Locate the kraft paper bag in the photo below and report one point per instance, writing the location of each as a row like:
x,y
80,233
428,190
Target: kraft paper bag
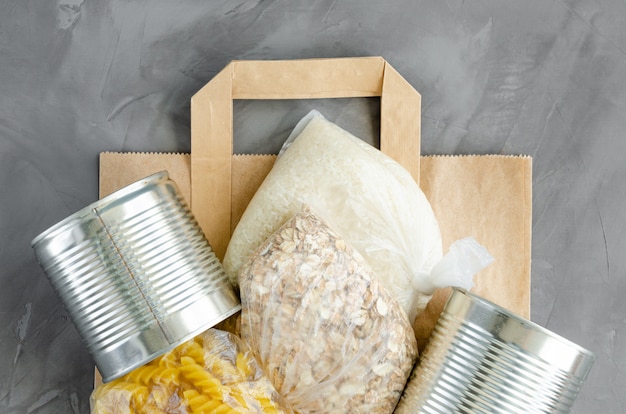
x,y
487,197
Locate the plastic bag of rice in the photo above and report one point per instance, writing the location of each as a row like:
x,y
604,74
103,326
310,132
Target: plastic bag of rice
x,y
366,196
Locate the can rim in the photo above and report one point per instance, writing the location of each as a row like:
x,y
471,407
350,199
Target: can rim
x,y
110,376
83,212
523,321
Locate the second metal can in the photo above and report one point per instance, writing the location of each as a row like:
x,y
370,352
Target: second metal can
x,y
481,358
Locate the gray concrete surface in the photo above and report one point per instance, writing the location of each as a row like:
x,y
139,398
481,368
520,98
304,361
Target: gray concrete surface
x,y
545,78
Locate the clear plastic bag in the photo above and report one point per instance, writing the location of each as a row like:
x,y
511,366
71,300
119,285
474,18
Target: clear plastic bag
x,y
457,268
329,336
214,373
367,197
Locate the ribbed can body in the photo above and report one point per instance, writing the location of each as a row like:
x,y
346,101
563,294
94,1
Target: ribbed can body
x,y
136,274
483,359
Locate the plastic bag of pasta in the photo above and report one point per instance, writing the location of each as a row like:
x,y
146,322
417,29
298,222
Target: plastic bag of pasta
x,y
212,373
327,334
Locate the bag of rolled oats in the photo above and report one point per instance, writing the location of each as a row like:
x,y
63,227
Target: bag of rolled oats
x,y
327,334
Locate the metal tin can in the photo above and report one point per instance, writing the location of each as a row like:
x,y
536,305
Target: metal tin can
x,y
481,358
136,274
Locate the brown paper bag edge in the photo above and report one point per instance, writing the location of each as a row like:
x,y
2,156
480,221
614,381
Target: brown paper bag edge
x,y
212,118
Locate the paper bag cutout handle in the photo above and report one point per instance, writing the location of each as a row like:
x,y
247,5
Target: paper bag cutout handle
x,y
212,120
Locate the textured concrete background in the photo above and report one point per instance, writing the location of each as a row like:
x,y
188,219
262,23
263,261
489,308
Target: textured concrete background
x,y
540,77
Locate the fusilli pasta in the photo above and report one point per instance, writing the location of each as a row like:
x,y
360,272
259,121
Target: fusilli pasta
x,y
212,373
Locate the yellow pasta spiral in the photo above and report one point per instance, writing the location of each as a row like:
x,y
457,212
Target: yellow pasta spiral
x,y
213,373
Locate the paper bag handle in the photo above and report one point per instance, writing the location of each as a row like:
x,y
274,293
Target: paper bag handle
x,y
212,120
